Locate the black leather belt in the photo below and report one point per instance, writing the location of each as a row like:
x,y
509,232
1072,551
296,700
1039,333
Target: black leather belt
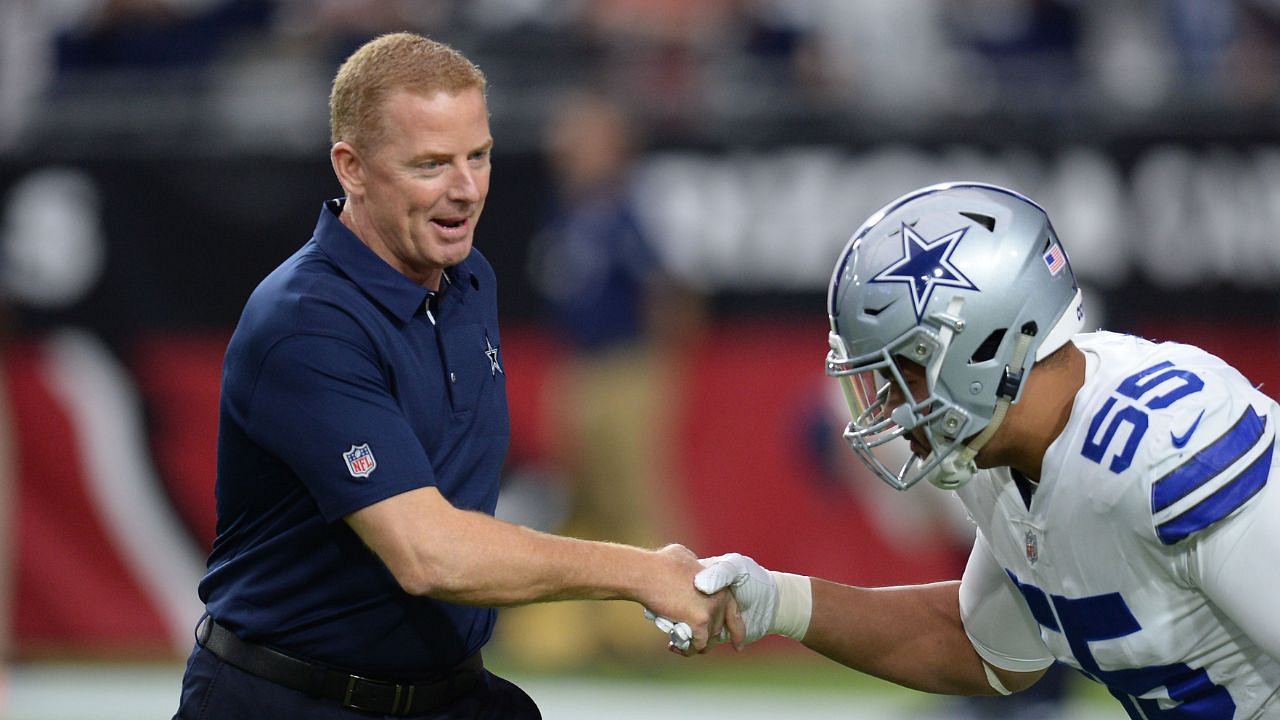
x,y
383,697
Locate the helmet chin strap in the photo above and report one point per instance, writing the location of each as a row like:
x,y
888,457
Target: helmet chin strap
x,y
956,469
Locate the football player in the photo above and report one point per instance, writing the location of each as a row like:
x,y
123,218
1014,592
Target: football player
x,y
1126,525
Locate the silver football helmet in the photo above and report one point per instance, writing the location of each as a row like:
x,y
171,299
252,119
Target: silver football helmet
x,y
968,281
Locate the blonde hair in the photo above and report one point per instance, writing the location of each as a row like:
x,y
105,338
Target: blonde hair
x,y
380,67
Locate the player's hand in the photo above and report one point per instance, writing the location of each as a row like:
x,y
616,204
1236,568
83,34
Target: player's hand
x,y
752,586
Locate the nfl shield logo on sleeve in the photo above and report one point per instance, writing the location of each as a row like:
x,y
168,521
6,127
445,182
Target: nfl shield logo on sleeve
x,y
359,460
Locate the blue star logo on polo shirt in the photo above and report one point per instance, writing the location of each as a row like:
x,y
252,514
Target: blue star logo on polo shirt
x,y
492,353
925,265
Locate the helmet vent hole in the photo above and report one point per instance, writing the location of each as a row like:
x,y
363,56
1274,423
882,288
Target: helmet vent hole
x,y
985,221
988,348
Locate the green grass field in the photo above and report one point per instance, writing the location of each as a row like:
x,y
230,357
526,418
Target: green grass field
x,y
771,685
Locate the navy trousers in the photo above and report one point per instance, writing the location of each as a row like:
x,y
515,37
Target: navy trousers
x,y
214,690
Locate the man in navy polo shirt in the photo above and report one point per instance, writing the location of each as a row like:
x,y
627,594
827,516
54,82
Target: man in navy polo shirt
x,y
363,427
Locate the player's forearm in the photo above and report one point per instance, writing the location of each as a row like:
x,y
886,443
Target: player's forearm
x,y
911,635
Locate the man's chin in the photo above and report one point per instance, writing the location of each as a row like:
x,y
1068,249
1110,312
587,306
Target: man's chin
x,y
454,252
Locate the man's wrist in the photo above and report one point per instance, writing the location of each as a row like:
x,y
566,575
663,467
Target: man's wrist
x,y
795,605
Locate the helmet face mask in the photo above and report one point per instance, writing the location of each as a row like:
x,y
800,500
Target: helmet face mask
x,y
965,281
885,407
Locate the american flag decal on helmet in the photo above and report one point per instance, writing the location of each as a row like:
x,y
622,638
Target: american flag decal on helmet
x,y
359,460
1055,259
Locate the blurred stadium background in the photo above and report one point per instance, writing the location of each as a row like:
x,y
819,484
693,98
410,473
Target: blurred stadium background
x,y
158,157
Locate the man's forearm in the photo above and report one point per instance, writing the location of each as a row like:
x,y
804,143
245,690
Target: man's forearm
x,y
495,563
436,550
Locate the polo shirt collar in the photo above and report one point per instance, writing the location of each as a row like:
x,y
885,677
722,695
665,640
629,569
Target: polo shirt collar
x,y
386,285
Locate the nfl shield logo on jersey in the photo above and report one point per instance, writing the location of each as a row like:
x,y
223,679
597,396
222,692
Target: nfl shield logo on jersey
x,y
1033,551
359,460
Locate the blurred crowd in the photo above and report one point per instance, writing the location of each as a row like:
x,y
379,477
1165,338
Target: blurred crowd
x,y
248,71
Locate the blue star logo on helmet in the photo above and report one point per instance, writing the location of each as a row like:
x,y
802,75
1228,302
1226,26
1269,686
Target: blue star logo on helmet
x,y
925,265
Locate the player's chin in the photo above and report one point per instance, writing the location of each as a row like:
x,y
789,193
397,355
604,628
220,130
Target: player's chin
x,y
919,446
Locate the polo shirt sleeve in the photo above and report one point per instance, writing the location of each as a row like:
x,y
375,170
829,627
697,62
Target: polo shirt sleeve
x,y
322,405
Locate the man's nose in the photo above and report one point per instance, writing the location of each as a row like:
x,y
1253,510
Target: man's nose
x,y
465,186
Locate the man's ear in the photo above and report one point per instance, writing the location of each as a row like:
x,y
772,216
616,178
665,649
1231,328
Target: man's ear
x,y
349,168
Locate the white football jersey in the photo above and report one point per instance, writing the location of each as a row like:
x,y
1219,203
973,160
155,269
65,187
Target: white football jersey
x,y
1149,557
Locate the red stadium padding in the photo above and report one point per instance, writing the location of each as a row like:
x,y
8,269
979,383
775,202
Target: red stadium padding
x,y
750,479
180,377
73,593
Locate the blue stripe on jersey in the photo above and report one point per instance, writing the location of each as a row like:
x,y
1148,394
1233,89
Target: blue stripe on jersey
x,y
1037,600
1209,462
1220,504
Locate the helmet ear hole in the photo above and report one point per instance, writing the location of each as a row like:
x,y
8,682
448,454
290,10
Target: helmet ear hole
x,y
988,348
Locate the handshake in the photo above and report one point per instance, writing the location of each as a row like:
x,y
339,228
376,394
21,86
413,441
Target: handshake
x,y
767,602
